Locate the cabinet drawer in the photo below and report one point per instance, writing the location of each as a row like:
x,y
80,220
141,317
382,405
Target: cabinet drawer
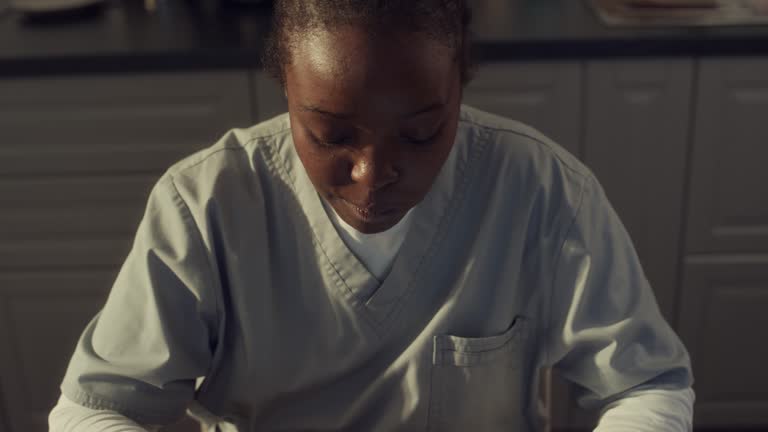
x,y
68,207
116,124
65,222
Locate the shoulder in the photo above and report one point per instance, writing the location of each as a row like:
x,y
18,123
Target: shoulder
x,y
234,163
525,163
233,146
522,145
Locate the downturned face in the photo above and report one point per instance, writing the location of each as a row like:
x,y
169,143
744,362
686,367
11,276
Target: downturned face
x,y
373,119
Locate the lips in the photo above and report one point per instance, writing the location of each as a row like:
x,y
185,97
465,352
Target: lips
x,y
372,207
371,212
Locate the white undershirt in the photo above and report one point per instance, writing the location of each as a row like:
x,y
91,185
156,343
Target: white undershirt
x,y
377,251
68,416
650,410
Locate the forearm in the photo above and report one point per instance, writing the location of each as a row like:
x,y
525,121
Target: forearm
x,y
652,410
68,416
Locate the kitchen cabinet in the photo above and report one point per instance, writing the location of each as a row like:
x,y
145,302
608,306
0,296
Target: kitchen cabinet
x,y
546,96
729,180
78,157
636,140
118,124
3,416
723,319
42,314
724,291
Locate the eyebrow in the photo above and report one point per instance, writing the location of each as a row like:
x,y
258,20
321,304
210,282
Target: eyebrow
x,y
315,109
338,115
428,108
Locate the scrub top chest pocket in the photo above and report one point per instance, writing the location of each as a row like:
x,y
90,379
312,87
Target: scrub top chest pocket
x,y
478,382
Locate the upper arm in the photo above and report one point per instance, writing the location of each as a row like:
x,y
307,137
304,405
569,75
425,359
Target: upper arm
x,y
607,333
141,354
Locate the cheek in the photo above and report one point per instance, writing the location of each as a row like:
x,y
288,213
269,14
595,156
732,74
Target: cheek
x,y
421,171
427,165
325,168
434,159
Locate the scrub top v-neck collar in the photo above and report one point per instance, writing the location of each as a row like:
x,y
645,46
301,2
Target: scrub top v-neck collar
x,y
377,251
382,298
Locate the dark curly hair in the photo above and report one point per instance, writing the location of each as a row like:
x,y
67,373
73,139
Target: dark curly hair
x,y
446,21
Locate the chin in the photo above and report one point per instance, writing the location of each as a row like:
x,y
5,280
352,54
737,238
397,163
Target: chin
x,y
368,228
373,226
368,222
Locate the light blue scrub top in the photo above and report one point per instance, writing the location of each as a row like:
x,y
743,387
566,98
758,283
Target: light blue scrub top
x,y
240,302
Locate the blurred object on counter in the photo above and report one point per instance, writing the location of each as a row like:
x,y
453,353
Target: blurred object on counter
x,y
681,12
247,2
671,3
52,6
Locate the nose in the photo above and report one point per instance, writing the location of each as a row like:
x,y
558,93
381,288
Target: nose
x,y
374,168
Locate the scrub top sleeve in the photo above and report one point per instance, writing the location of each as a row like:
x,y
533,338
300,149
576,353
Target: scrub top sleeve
x,y
606,332
141,354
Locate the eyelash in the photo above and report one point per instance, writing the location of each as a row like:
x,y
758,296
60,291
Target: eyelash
x,y
336,144
327,144
425,141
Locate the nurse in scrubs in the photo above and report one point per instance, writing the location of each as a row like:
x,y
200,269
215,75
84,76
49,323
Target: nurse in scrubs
x,y
379,258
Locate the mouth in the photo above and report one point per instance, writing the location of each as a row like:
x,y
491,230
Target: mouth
x,y
371,213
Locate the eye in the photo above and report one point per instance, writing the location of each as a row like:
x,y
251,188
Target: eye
x,y
330,143
419,141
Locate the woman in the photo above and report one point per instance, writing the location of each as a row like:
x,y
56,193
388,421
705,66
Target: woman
x,y
380,258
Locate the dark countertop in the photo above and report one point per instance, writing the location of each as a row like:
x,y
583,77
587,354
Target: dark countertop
x,y
122,36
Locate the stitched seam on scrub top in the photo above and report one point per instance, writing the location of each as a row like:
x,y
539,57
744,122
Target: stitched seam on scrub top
x,y
214,287
584,177
280,170
278,167
556,263
535,140
241,147
455,201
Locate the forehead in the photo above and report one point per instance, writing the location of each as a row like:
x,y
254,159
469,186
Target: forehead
x,y
350,70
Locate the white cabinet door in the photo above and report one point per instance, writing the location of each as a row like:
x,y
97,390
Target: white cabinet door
x,y
43,313
724,295
728,207
546,96
723,322
78,156
3,416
